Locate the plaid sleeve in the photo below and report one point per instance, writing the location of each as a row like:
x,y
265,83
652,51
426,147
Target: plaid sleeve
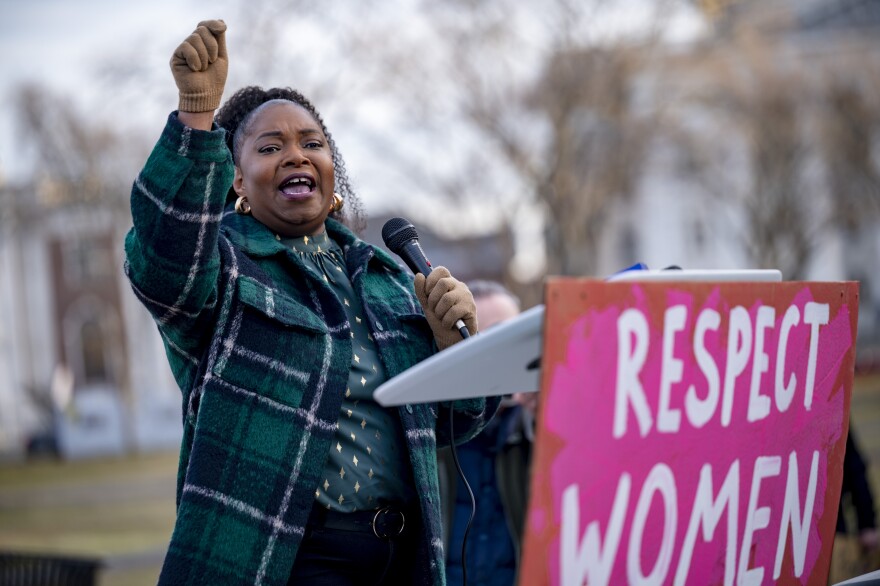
x,y
470,416
177,203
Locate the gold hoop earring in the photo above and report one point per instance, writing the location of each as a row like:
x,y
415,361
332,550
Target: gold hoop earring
x,y
337,203
242,206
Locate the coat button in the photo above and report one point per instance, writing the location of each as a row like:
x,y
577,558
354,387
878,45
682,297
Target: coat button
x,y
409,409
379,327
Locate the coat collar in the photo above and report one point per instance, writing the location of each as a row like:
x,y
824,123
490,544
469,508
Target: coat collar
x,y
256,240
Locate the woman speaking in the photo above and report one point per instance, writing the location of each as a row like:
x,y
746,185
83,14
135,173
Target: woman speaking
x,y
278,324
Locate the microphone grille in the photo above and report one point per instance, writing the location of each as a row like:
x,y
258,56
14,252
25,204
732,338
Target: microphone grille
x,y
396,232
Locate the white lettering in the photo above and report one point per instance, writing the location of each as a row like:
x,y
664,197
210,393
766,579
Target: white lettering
x,y
757,518
759,405
669,420
739,344
590,561
661,480
784,392
699,412
630,360
791,516
707,513
589,557
815,314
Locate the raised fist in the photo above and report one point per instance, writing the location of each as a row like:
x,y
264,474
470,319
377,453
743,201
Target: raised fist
x,y
199,65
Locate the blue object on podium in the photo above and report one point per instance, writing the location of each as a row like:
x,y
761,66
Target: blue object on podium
x,y
691,275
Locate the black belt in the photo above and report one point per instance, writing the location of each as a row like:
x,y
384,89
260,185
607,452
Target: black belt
x,y
385,523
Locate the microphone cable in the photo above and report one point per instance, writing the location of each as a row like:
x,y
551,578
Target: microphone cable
x,y
401,238
464,334
470,493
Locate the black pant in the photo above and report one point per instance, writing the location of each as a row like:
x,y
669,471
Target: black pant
x,y
339,557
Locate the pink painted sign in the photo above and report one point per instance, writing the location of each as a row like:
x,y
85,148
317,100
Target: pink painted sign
x,y
690,433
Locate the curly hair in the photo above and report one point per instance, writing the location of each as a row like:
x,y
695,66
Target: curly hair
x,y
235,116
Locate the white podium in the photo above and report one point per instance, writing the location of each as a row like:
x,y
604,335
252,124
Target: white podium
x,y
505,359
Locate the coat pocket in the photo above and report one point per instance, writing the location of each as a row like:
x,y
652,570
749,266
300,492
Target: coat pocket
x,y
272,344
414,342
416,325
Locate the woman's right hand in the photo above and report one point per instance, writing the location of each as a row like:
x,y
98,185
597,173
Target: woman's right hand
x,y
445,300
199,65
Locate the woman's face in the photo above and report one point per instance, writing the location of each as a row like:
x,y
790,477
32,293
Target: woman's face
x,y
285,169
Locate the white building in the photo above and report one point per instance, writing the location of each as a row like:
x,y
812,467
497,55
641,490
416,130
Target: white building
x,y
82,368
672,220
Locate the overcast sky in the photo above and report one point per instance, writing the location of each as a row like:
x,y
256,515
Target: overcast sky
x,y
62,44
55,41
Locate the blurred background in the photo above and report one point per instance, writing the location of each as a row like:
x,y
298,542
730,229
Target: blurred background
x,y
554,137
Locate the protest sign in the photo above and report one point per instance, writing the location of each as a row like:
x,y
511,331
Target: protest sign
x,y
690,433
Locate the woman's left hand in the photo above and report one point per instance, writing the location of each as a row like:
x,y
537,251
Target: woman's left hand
x,y
445,300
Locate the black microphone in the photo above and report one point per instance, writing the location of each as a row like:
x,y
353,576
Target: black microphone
x,y
402,239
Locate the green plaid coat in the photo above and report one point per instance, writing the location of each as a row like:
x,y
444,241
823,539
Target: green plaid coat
x,y
261,349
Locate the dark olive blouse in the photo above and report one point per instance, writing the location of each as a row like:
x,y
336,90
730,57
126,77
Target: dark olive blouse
x,y
367,466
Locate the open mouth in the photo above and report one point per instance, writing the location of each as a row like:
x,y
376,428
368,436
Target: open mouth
x,y
297,185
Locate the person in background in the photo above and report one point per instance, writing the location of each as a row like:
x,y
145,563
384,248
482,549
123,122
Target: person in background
x,y
496,465
278,323
856,545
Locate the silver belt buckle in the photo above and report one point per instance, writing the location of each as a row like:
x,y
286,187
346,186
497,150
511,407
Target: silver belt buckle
x,y
386,511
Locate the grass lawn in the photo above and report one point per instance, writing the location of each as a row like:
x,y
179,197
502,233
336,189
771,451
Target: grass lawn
x,y
865,419
40,473
112,509
122,509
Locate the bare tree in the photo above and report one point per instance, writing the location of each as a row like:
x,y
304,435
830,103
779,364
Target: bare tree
x,y
77,160
597,148
791,145
524,111
777,207
850,124
752,154
83,170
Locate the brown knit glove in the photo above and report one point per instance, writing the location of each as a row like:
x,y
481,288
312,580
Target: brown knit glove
x,y
446,300
199,66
